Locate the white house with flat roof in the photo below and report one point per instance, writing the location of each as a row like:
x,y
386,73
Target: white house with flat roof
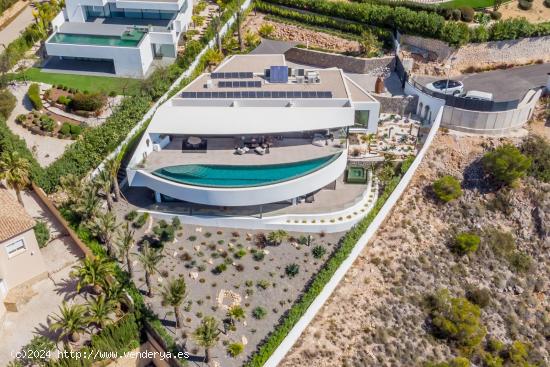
x,y
122,37
252,132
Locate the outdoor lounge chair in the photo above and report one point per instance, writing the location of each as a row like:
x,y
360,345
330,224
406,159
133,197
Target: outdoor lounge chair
x,y
259,150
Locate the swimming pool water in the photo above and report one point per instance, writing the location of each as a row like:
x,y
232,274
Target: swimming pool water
x,y
130,39
214,175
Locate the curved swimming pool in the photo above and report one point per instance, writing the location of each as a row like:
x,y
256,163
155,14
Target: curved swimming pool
x,y
217,175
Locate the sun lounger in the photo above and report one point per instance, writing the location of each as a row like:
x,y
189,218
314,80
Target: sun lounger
x,y
259,150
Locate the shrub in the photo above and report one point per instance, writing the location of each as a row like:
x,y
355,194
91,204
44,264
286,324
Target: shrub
x,y
266,30
259,255
131,215
456,14
479,296
64,100
121,336
142,219
456,319
240,253
467,14
75,130
520,262
47,123
465,243
42,233
219,268
447,188
112,93
502,244
292,270
164,231
318,251
259,313
65,129
34,96
525,4
506,164
547,3
7,103
234,349
538,150
88,102
455,362
496,15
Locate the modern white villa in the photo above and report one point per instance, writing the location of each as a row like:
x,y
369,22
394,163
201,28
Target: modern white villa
x,y
121,37
254,131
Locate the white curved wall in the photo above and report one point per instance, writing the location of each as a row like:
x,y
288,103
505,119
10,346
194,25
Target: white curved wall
x,y
243,196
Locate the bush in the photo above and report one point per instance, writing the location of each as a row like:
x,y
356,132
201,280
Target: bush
x,y
64,100
496,15
47,123
219,268
75,130
479,296
447,188
234,349
259,255
131,215
36,352
538,150
465,243
42,233
7,103
525,4
468,14
520,262
164,231
88,102
142,219
292,270
259,313
547,3
455,362
506,164
266,30
456,319
65,129
119,337
34,96
318,251
456,14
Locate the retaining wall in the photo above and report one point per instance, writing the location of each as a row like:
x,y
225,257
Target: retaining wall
x,y
401,105
347,63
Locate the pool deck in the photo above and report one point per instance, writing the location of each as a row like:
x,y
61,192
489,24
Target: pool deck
x,y
222,151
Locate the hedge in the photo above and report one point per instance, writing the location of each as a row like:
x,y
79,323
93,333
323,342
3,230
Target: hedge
x,y
34,96
298,309
7,103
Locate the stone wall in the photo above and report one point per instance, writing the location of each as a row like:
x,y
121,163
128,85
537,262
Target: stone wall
x,y
347,63
519,51
401,105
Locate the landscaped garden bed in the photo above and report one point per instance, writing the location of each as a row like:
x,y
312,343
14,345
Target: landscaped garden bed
x,y
49,124
81,103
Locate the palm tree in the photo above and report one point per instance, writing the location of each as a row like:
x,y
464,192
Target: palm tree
x,y
87,204
206,335
103,226
239,21
93,272
100,310
72,186
113,166
71,320
15,170
125,242
173,295
105,184
277,237
116,293
237,313
149,259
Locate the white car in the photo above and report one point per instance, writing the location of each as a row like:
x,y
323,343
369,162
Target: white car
x,y
446,86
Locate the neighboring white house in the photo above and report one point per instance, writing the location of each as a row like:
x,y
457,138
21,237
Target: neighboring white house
x,y
126,36
253,132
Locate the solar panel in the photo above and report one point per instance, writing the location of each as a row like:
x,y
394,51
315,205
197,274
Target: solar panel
x,y
258,94
278,74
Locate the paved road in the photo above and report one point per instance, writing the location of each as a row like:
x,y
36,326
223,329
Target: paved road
x,y
14,29
504,84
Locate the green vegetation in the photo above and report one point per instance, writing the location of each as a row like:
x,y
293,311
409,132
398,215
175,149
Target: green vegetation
x,y
503,245
476,4
234,349
259,313
36,352
479,296
91,83
291,270
447,188
173,295
465,243
456,319
88,102
538,150
7,103
318,251
42,233
206,335
455,362
506,165
5,4
34,96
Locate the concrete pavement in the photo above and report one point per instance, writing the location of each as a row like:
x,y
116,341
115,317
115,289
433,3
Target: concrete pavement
x,y
18,25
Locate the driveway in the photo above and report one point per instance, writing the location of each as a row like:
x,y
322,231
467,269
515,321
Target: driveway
x,y
18,25
505,85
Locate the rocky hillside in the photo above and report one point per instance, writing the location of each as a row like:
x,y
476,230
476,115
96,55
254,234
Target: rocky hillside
x,y
412,298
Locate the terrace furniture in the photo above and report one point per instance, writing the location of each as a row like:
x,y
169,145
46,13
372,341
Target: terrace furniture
x,y
259,150
310,199
241,151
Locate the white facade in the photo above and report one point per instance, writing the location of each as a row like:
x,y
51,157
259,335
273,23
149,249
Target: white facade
x,y
299,119
162,23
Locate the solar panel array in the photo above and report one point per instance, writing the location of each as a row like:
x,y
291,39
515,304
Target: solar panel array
x,y
232,75
240,84
257,94
278,74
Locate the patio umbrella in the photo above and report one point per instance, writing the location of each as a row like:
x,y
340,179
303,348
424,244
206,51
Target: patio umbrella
x,y
194,140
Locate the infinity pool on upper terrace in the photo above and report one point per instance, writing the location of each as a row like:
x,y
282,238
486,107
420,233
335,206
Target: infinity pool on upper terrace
x,y
130,38
214,175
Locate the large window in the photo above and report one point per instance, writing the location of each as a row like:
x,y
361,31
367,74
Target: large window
x,y
15,247
112,11
362,118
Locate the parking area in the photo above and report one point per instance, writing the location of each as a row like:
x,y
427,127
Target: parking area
x,y
505,85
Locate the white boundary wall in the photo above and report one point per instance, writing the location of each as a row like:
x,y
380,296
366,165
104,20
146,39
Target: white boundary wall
x,y
166,95
386,209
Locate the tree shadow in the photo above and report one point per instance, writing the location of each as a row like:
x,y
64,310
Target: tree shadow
x,y
475,179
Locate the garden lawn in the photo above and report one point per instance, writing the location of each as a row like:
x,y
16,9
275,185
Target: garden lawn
x,y
83,82
476,4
